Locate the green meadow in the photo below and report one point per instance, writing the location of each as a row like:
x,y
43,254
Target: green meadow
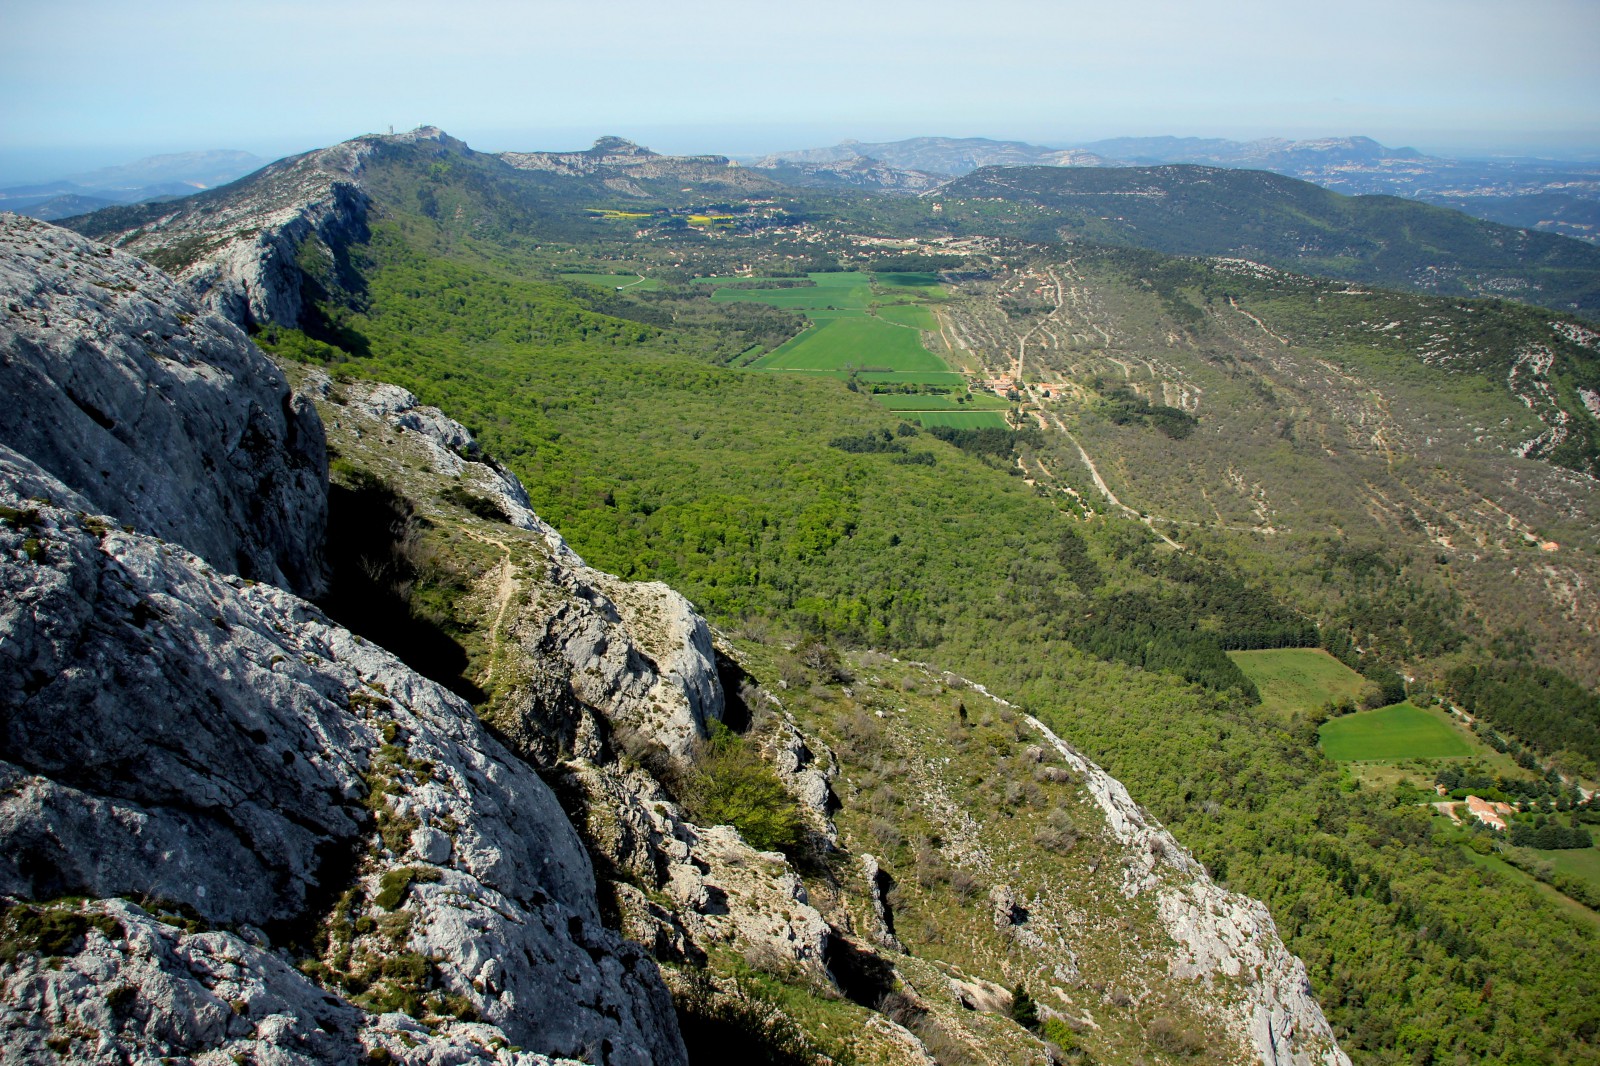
x,y
924,285
947,377
845,334
978,401
855,341
1297,679
914,315
962,419
842,290
1388,734
853,335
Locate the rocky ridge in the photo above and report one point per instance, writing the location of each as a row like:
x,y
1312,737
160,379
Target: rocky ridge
x,y
637,650
218,753
621,164
946,157
591,667
856,171
124,387
251,250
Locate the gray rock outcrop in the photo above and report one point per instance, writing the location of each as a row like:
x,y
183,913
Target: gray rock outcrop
x,y
721,890
160,414
587,643
175,733
135,987
1225,940
259,250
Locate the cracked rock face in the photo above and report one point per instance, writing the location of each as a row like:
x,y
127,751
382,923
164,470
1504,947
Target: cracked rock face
x,y
636,653
721,889
173,732
159,414
137,987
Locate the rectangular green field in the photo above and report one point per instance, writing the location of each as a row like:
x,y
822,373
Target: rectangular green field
x,y
962,419
843,289
948,377
1390,734
1297,679
842,343
915,282
914,315
896,401
615,281
825,314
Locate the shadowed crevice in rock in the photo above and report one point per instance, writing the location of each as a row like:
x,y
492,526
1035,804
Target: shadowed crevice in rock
x,y
735,711
373,534
863,975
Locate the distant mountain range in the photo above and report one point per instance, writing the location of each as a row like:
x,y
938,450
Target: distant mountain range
x,y
1188,209
946,156
151,178
1554,197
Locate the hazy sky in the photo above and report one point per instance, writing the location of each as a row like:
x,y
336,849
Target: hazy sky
x,y
104,81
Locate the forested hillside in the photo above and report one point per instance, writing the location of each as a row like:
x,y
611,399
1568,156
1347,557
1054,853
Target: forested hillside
x,y
1292,224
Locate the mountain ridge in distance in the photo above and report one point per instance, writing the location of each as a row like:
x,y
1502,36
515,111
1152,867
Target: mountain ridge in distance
x,y
1289,392
1549,195
170,175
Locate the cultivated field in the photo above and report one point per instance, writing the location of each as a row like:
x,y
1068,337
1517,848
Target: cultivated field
x,y
1388,734
852,333
856,341
963,419
942,378
914,315
1297,679
921,285
838,290
978,401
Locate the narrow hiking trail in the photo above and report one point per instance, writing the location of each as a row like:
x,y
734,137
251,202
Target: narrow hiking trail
x,y
505,591
1281,340
1061,303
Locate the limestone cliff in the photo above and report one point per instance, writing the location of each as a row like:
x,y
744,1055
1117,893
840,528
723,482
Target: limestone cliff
x,y
169,720
217,753
260,250
161,414
216,747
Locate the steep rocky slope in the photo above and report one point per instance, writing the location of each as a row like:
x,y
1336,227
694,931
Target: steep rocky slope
x,y
166,417
1138,931
250,249
215,749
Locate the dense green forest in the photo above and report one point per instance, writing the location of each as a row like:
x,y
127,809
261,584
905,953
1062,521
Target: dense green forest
x,y
788,506
1537,704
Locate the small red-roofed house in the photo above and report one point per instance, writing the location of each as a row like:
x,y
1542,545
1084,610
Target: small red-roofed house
x,y
1486,812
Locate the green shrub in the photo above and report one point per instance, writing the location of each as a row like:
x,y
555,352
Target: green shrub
x,y
1059,1033
735,786
738,1025
50,930
393,884
1024,1011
